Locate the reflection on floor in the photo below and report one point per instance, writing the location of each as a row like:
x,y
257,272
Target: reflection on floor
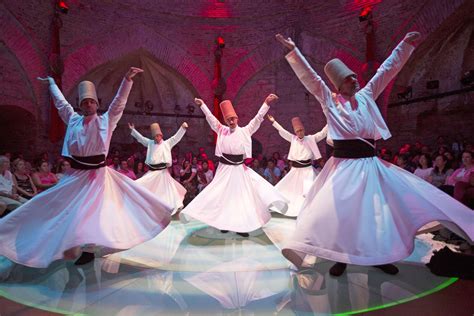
x,y
193,269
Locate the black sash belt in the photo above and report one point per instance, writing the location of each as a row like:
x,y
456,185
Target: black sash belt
x,y
87,163
301,163
234,160
353,148
157,166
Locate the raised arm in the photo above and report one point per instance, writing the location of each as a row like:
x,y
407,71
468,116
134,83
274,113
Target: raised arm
x,y
321,134
254,124
65,110
283,132
210,118
118,104
139,137
173,140
392,65
308,77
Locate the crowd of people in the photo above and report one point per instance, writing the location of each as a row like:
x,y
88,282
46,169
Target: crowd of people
x,y
449,167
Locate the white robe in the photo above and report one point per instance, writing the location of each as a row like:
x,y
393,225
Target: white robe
x,y
98,207
366,211
238,198
160,182
297,182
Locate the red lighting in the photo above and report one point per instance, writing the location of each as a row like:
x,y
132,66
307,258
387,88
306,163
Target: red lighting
x,y
365,14
63,7
220,42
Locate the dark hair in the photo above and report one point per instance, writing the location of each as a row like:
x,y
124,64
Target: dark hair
x,y
435,168
39,162
428,160
184,162
135,167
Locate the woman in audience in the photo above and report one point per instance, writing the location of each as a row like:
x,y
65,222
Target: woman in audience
x,y
188,174
64,166
459,181
424,167
22,181
440,172
139,169
44,178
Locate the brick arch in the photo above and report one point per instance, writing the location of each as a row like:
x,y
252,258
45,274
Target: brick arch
x,y
29,61
90,56
453,21
428,19
317,50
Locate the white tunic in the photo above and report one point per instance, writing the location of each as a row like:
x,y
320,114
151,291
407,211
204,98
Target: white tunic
x,y
238,198
160,182
297,182
305,148
366,211
87,208
159,152
237,141
90,136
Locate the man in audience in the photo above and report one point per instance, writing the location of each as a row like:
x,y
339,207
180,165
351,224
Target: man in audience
x,y
9,199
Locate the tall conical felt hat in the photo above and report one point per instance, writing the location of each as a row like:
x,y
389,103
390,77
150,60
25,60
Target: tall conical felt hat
x,y
86,90
227,109
155,130
297,124
337,71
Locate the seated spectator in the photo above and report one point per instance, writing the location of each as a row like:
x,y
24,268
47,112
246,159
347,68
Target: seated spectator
x,y
460,179
256,167
139,169
280,163
125,170
115,163
205,176
424,167
22,181
8,194
440,172
272,173
403,162
210,163
44,178
63,168
188,174
196,163
452,163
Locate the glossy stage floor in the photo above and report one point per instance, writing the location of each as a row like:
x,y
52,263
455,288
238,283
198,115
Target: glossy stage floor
x,y
193,269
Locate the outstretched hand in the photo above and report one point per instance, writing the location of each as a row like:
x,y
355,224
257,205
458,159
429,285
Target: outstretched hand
x,y
132,72
184,125
287,42
131,126
412,38
271,118
198,101
47,79
271,99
